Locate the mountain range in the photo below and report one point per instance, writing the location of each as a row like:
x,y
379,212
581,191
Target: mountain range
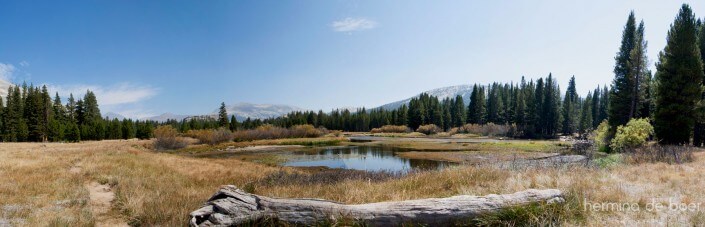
x,y
441,93
243,110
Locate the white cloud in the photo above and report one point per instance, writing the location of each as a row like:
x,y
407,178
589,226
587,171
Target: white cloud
x,y
24,63
123,98
6,71
353,24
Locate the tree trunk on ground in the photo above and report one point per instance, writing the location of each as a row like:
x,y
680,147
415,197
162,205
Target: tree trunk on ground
x,y
232,206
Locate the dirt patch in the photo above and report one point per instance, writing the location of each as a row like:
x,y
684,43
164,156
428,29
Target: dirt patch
x,y
101,199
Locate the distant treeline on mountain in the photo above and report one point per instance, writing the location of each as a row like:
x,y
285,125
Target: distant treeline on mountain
x,y
535,107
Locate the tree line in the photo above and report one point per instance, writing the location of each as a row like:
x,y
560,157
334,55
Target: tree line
x,y
673,99
535,107
29,114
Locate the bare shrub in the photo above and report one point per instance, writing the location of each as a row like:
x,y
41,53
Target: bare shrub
x,y
167,138
304,131
429,129
212,137
273,132
391,129
670,154
489,129
336,133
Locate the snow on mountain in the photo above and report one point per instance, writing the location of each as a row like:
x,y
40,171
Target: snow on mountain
x,y
441,93
258,111
166,116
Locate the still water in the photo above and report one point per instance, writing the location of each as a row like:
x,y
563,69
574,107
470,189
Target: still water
x,y
366,158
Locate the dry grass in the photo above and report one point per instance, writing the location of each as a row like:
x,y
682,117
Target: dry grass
x,y
391,129
38,188
273,132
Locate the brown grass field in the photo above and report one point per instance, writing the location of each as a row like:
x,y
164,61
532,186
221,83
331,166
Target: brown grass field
x,y
53,184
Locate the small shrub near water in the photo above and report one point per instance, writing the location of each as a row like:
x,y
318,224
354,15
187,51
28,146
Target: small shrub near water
x,y
391,129
429,129
167,138
212,137
273,132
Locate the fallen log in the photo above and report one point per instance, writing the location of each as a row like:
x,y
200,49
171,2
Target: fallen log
x,y
232,206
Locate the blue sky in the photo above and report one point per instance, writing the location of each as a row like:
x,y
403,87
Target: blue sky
x,y
148,57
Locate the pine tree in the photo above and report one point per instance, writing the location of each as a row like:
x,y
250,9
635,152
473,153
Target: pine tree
x,y
622,86
128,129
679,76
537,112
520,103
447,118
223,115
494,105
595,107
47,111
699,129
417,113
570,109
33,109
604,103
476,108
459,115
551,107
586,114
234,125
638,73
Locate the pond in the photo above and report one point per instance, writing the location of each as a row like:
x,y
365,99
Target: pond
x,y
368,158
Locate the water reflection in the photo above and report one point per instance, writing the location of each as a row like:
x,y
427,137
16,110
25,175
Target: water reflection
x,y
361,158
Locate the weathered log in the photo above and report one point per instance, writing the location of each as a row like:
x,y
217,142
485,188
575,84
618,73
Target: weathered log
x,y
232,206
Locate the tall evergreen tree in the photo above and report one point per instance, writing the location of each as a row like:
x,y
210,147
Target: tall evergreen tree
x,y
570,109
604,103
699,131
459,115
638,74
679,76
223,115
622,86
551,107
233,123
476,108
586,114
595,107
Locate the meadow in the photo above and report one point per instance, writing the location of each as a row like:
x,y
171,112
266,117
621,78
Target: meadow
x,y
71,184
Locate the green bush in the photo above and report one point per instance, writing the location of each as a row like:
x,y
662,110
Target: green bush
x,y
632,135
601,136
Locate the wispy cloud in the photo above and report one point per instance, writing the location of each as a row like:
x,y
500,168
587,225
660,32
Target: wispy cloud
x,y
123,98
6,71
24,63
351,24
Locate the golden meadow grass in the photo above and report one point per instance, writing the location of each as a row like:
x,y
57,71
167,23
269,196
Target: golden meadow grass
x,y
38,188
